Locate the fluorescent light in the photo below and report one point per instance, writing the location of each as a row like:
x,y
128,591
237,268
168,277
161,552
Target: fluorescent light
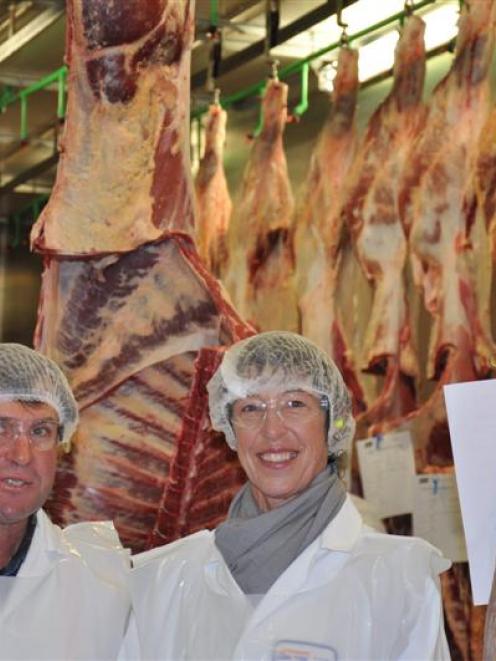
x,y
377,56
441,24
376,52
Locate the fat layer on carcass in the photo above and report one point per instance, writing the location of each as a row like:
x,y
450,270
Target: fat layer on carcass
x,y
370,211
438,200
126,125
261,264
138,326
213,202
318,231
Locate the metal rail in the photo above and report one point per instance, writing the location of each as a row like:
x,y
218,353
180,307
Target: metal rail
x,y
59,76
256,88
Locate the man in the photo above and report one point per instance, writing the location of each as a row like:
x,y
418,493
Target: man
x,y
62,592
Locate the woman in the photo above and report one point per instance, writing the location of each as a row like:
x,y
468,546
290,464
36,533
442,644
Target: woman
x,y
293,573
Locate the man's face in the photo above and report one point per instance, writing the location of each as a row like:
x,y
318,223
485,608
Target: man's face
x,y
26,473
285,453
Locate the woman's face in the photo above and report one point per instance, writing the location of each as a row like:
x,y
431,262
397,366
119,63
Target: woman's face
x,y
282,453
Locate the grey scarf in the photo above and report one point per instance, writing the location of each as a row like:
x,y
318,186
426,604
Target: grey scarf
x,y
259,546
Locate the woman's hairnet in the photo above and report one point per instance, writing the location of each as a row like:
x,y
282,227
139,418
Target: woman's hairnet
x,y
28,376
285,361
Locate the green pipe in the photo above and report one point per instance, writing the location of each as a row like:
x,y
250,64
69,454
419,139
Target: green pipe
x,y
214,13
24,117
61,93
44,82
58,76
302,107
7,96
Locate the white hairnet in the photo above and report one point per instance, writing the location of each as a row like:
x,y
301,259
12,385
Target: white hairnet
x,y
28,376
280,359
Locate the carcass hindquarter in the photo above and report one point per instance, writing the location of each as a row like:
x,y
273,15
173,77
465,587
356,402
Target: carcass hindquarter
x,y
213,202
318,235
261,262
370,211
136,324
126,126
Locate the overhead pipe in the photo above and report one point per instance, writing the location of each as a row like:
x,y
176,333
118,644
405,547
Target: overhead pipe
x,y
58,76
303,105
257,88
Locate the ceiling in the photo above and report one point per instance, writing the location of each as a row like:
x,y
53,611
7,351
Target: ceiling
x,y
32,40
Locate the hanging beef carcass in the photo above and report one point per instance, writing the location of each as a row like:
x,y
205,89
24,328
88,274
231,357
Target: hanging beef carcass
x,y
212,195
126,126
261,263
438,201
438,206
318,232
486,178
370,211
138,332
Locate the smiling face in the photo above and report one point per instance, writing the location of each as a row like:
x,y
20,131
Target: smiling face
x,y
26,473
283,454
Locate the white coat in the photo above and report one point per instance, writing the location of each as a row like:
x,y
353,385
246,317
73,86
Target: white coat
x,y
70,597
352,594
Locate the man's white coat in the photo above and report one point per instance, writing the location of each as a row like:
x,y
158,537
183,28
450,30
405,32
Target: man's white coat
x,y
70,598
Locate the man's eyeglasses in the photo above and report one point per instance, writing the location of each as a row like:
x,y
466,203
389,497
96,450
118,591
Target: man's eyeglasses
x,y
292,409
42,434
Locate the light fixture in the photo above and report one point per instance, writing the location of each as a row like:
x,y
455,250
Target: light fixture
x,y
376,50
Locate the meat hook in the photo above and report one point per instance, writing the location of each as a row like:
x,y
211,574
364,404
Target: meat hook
x,y
342,24
274,68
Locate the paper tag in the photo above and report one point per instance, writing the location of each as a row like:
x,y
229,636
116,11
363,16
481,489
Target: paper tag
x,y
387,466
437,516
472,423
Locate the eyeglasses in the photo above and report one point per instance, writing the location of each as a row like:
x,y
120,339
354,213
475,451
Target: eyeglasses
x,y
42,434
292,409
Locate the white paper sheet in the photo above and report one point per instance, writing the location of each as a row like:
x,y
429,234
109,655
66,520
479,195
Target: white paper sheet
x,y
387,469
436,514
471,411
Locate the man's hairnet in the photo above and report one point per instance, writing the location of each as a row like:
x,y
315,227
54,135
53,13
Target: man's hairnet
x,y
28,376
285,361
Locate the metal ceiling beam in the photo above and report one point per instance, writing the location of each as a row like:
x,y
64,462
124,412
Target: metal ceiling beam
x,y
301,24
29,32
31,173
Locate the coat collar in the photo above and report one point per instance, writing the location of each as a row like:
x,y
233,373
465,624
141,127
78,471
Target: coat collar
x,y
344,530
46,546
340,535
